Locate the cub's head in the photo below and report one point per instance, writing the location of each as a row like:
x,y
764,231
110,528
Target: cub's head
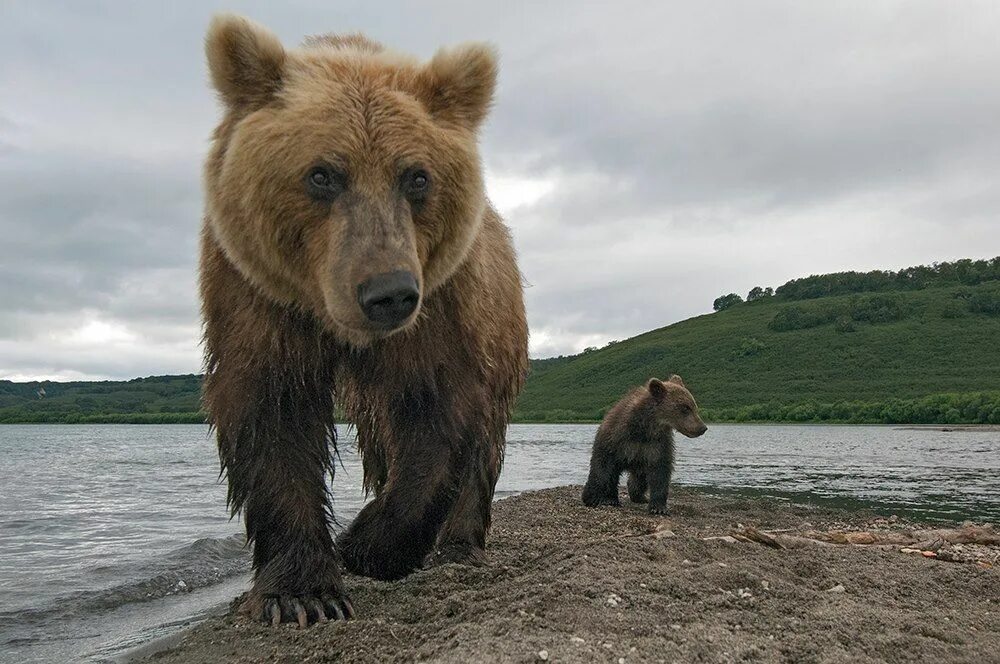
x,y
344,178
676,405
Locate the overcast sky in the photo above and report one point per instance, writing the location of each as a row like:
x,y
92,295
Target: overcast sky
x,y
649,156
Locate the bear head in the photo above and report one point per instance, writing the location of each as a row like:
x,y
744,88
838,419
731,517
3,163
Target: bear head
x,y
344,179
676,406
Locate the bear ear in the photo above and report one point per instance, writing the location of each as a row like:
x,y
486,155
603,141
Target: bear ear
x,y
656,388
246,61
676,380
457,84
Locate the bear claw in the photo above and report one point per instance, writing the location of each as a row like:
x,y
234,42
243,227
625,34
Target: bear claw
x,y
306,610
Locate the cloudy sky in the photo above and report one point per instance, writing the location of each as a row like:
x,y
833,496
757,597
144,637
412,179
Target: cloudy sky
x,y
649,156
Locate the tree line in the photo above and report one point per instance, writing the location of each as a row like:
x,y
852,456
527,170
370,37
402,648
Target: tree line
x,y
966,272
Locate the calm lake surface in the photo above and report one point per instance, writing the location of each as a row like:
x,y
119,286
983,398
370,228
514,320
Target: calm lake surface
x,y
114,535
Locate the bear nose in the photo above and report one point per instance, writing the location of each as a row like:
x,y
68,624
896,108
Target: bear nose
x,y
389,298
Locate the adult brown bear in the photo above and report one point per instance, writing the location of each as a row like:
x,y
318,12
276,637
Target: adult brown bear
x,y
349,256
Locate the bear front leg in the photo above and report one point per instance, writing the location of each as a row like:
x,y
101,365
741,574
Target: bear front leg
x,y
275,452
393,534
463,536
658,477
602,483
268,394
637,486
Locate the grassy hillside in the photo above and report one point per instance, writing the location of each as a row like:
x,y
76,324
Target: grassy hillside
x,y
920,345
166,399
929,342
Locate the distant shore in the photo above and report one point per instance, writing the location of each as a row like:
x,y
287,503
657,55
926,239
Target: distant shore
x,y
722,578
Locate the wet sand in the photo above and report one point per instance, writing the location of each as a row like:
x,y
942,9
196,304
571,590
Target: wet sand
x,y
570,584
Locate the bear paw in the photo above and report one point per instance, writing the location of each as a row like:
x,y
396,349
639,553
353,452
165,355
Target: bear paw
x,y
660,510
300,586
367,550
306,609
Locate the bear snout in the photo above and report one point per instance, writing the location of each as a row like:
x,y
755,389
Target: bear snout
x,y
388,299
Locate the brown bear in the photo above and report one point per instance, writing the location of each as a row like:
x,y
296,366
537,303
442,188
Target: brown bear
x,y
637,435
349,258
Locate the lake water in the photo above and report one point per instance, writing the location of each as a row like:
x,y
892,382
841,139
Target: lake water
x,y
113,535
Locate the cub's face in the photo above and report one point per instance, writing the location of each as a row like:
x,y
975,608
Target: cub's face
x,y
345,179
677,406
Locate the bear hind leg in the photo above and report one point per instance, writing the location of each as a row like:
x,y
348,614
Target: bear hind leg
x,y
602,483
637,486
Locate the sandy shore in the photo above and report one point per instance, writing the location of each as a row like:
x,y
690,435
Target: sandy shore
x,y
569,584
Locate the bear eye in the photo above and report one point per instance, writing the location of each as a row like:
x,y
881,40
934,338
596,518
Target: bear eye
x,y
416,183
324,183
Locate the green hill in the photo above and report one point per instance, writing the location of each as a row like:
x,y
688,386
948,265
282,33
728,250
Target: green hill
x,y
920,345
158,399
844,347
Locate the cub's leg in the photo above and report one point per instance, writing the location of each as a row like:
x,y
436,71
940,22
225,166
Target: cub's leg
x,y
658,475
267,391
602,483
637,486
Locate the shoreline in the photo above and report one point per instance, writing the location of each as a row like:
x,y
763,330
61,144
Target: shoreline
x,y
576,584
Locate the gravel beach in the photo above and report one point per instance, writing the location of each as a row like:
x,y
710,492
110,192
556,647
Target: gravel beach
x,y
723,578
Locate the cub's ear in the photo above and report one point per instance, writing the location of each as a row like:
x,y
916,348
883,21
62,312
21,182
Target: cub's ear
x,y
657,388
246,61
457,84
676,380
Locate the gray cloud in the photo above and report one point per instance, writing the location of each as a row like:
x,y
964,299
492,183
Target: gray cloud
x,y
676,151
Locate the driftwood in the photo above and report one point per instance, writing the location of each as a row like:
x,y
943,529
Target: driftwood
x,y
927,542
933,539
777,540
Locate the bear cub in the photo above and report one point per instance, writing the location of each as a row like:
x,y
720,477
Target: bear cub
x,y
637,435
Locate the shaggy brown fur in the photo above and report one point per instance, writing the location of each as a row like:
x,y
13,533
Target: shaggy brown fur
x,y
335,164
637,435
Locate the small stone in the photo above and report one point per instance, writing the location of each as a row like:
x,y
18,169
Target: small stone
x,y
728,539
675,627
181,584
621,660
722,564
577,640
642,585
686,562
611,602
765,584
543,655
607,645
839,588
